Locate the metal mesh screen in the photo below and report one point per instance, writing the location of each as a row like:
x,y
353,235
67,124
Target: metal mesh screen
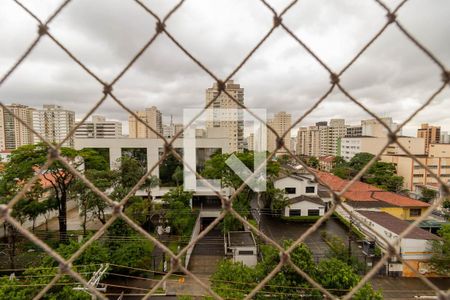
x,y
65,265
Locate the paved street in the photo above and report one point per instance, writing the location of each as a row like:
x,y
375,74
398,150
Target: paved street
x,y
407,288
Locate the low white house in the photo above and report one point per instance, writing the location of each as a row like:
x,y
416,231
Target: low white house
x,y
304,206
296,185
303,194
241,246
414,247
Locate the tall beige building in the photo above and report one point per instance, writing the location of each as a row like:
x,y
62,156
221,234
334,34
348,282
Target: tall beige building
x,y
54,123
431,134
281,122
152,117
374,128
99,128
13,133
330,137
308,141
226,114
438,160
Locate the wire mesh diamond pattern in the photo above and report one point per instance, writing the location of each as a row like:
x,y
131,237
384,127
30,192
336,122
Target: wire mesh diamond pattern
x,y
161,28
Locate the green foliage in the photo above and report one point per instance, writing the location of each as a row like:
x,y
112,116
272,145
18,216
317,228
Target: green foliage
x,y
180,216
277,200
169,170
94,159
216,168
441,252
243,279
302,219
339,250
135,253
15,289
131,171
89,201
231,223
428,195
313,162
380,174
235,280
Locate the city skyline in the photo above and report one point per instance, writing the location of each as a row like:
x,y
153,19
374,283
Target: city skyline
x,y
280,74
169,119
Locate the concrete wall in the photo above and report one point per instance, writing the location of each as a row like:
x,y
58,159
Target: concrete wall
x,y
248,260
195,233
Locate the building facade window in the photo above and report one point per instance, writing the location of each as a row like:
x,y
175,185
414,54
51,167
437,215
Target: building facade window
x,y
313,212
415,212
310,189
295,212
290,190
245,252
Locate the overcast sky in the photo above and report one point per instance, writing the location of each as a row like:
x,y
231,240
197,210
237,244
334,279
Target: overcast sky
x,y
393,77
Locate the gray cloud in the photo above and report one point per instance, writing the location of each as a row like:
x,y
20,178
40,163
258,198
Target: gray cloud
x,y
392,77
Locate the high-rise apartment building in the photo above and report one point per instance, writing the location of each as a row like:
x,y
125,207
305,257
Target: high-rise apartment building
x,y
99,128
330,137
281,122
374,128
308,141
226,114
14,133
354,131
54,124
445,137
322,139
431,134
150,116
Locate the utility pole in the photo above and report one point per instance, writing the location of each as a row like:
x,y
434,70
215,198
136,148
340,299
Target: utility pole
x,y
350,240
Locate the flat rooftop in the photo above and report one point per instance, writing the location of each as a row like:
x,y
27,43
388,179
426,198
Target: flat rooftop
x,y
241,239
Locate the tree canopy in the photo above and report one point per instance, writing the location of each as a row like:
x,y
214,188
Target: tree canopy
x,y
380,174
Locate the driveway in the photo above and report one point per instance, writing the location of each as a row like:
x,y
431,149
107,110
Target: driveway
x,y
279,230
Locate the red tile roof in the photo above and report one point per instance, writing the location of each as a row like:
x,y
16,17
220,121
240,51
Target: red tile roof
x,y
361,191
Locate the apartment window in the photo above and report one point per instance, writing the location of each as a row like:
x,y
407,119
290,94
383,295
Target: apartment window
x,y
418,167
418,175
290,190
415,212
310,189
445,175
295,212
313,212
245,252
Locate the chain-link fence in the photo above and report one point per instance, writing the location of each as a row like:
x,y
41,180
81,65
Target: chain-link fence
x,y
65,265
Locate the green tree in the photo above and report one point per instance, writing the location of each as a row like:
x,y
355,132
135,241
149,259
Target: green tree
x,y
94,159
168,168
179,214
313,162
277,200
440,259
428,195
27,160
89,201
360,160
337,275
233,280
